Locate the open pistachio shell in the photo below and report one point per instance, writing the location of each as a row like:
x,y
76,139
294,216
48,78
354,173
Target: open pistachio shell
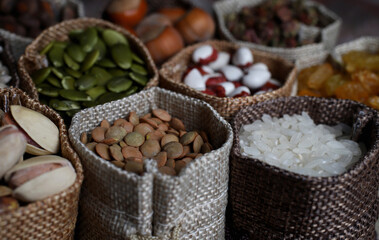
x,y
12,147
46,184
39,128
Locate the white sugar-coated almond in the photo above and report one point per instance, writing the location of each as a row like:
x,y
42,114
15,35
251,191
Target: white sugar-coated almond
x,y
256,79
274,82
258,66
222,60
229,88
242,57
260,92
239,90
207,69
232,73
194,79
202,52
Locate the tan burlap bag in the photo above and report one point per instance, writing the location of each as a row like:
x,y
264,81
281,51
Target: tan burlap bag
x,y
32,60
172,73
116,204
19,43
268,202
8,60
329,34
55,216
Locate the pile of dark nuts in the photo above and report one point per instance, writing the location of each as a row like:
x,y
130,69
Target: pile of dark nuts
x,y
157,135
276,23
29,17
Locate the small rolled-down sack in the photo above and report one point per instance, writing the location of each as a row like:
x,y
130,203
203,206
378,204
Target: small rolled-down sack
x,y
54,217
268,202
116,204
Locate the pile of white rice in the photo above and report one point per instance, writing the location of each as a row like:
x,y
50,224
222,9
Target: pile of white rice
x,y
297,144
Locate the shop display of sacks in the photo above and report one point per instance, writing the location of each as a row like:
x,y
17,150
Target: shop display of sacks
x,y
268,202
329,34
116,204
55,216
172,72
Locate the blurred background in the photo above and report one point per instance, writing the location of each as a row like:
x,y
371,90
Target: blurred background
x,y
360,17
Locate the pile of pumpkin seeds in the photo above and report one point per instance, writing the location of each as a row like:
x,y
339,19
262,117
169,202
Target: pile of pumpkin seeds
x,y
95,66
157,135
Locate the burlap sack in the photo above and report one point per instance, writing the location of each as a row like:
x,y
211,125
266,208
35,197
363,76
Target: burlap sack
x,y
116,204
55,216
329,34
7,59
19,43
172,73
32,60
272,203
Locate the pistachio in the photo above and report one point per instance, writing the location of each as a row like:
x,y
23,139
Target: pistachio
x,y
114,134
39,128
98,134
173,149
40,177
167,170
10,138
150,148
134,139
188,138
128,152
103,150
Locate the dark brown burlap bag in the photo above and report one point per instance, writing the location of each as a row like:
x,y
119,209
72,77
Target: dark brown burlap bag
x,y
271,203
116,204
55,216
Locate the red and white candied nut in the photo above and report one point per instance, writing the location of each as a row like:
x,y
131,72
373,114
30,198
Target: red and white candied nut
x,y
222,60
270,85
194,79
256,79
224,89
258,66
204,54
241,92
232,73
243,57
212,80
209,92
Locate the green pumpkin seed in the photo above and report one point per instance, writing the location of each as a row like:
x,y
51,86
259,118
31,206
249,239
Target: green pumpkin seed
x,y
88,39
130,91
108,97
40,75
112,37
43,100
70,63
95,92
139,69
122,55
62,45
54,81
55,56
90,60
59,73
74,95
138,78
72,73
101,75
71,113
137,59
101,47
47,48
74,35
76,52
86,82
48,90
68,83
117,72
105,62
89,104
119,84
99,29
63,105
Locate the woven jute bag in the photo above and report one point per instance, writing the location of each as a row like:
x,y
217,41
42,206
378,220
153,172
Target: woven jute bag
x,y
8,60
172,73
268,202
329,34
116,204
19,43
55,216
32,60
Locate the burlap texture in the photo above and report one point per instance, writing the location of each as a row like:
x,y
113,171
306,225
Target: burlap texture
x,y
329,34
19,43
8,60
271,203
172,73
55,216
32,60
369,44
121,205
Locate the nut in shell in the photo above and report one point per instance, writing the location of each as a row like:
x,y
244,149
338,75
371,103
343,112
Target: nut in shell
x,y
39,128
40,177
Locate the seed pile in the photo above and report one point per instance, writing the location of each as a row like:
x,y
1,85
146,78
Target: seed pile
x,y
157,135
4,74
96,66
297,144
